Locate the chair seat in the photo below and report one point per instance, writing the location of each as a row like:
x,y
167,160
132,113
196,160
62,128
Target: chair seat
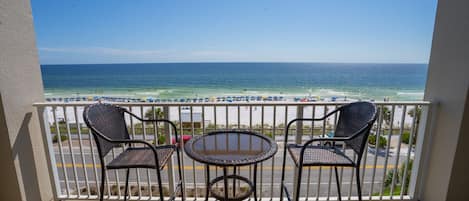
x,y
141,157
319,156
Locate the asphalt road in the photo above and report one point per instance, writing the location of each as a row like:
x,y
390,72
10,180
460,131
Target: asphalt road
x,y
315,180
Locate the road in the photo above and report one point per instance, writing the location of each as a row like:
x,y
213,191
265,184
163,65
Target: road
x,y
315,180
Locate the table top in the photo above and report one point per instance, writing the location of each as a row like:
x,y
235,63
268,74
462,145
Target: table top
x,y
230,148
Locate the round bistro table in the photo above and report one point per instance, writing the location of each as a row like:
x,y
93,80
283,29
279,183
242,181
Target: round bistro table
x,y
230,149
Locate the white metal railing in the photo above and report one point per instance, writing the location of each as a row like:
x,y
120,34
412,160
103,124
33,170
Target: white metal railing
x,y
386,170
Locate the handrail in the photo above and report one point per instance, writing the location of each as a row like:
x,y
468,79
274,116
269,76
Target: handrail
x,y
270,118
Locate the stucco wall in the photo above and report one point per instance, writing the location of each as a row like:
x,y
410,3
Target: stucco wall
x,y
23,169
447,85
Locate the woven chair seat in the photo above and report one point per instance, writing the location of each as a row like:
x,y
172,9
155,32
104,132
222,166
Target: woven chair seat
x,y
141,157
319,156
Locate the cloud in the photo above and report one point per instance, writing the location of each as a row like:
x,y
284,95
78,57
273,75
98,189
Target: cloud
x,y
110,55
103,51
130,52
212,53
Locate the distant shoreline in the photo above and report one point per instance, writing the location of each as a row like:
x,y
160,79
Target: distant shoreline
x,y
225,99
258,113
239,62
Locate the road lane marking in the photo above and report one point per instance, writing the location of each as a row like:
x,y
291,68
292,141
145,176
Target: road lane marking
x,y
201,167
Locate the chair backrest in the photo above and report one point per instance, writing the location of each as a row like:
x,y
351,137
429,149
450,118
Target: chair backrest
x,y
352,118
108,120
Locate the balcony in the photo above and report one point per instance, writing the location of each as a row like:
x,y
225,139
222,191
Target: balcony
x,y
33,166
389,168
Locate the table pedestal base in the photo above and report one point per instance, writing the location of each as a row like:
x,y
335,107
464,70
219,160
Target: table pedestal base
x,y
232,195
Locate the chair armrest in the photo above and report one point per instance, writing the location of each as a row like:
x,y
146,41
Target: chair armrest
x,y
156,120
307,119
315,119
144,143
129,141
153,148
133,141
333,139
322,139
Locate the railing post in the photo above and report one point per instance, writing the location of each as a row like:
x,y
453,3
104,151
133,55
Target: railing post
x,y
421,154
298,140
49,148
299,125
168,136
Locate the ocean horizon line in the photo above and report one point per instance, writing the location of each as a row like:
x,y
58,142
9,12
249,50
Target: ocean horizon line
x,y
243,62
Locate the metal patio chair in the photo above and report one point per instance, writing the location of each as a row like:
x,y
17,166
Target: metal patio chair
x,y
107,123
353,128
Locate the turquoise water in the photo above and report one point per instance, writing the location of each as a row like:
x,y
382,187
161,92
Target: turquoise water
x,y
188,80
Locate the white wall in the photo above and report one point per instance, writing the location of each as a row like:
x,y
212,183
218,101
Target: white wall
x,y
23,170
447,85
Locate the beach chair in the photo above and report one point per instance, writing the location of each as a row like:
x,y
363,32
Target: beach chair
x,y
353,128
107,123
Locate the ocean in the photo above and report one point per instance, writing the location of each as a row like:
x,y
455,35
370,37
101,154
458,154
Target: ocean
x,y
190,80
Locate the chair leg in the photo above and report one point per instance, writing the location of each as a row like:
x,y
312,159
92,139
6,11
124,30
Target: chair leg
x,y
298,183
160,187
282,181
180,173
338,183
103,178
359,189
126,185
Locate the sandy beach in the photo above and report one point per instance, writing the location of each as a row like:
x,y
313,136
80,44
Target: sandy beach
x,y
230,114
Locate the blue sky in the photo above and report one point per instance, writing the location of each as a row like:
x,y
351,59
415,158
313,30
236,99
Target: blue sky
x,y
112,31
